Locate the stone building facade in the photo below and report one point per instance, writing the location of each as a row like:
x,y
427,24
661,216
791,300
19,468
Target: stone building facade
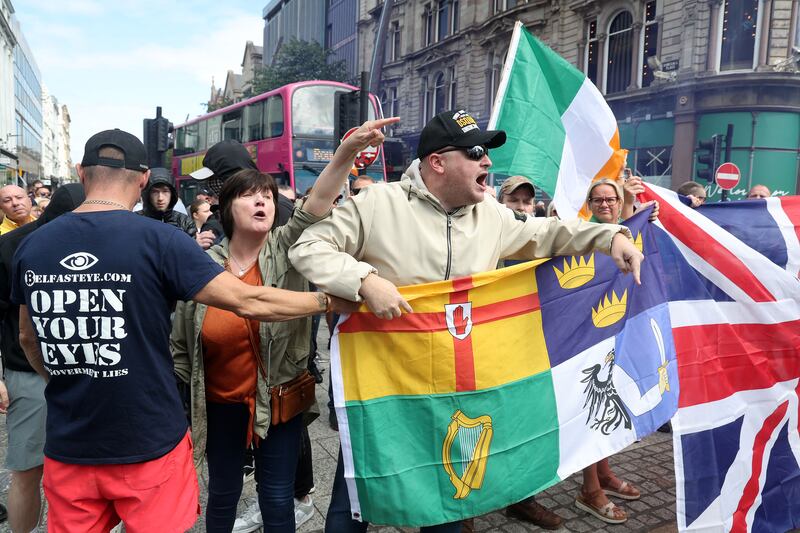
x,y
673,71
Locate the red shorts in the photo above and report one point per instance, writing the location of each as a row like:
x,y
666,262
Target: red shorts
x,y
158,495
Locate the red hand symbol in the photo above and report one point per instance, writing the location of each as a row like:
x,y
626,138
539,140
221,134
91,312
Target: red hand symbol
x,y
459,321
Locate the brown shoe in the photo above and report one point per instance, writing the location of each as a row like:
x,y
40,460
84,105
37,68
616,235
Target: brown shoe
x,y
530,511
468,526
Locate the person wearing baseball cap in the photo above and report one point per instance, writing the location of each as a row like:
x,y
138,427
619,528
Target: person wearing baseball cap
x,y
117,445
225,159
436,223
517,193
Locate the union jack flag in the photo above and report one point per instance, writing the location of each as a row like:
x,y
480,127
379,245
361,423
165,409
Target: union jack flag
x,y
735,309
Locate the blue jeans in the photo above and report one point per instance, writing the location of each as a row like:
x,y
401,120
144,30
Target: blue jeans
x,y
339,519
276,462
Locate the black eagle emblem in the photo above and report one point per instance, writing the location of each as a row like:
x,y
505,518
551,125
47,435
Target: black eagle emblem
x,y
604,404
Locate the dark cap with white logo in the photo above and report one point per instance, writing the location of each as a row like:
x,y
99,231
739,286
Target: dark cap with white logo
x,y
456,128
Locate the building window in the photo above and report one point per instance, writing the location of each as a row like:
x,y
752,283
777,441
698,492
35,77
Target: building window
x,y
620,53
739,23
452,89
428,24
454,16
649,41
493,77
389,105
592,51
439,94
426,101
393,44
443,20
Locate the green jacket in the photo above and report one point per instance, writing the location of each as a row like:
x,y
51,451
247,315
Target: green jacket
x,y
284,346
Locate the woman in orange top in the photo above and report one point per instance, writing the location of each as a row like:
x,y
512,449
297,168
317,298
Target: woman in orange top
x,y
232,363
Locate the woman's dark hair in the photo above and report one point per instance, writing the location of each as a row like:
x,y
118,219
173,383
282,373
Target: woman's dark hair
x,y
195,207
243,182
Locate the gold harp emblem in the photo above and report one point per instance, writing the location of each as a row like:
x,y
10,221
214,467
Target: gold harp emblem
x,y
466,465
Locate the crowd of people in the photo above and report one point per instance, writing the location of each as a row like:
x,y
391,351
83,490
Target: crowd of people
x,y
136,346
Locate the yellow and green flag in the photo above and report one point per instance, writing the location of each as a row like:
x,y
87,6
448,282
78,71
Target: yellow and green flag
x,y
499,385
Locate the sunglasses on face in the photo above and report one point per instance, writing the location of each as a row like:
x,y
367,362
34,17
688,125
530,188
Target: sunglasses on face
x,y
475,153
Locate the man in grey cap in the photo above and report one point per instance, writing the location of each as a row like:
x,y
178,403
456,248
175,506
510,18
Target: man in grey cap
x,y
517,193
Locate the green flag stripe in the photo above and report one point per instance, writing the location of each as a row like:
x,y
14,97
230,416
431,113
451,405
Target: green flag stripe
x,y
537,89
397,446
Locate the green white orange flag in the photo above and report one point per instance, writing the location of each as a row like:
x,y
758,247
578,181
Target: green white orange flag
x,y
561,133
500,384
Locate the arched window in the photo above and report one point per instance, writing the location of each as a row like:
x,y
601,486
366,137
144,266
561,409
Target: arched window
x,y
438,94
620,53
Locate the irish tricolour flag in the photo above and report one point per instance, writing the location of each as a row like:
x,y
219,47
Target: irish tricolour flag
x,y
500,384
561,133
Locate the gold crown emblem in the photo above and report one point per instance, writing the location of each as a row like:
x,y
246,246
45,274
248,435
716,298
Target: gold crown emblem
x,y
638,242
610,310
578,271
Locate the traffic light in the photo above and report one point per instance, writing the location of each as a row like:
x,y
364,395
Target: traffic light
x,y
163,127
345,111
150,141
709,154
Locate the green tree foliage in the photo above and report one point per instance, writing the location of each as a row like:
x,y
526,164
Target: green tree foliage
x,y
219,104
297,61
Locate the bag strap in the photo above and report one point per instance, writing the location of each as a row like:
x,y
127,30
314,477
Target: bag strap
x,y
253,343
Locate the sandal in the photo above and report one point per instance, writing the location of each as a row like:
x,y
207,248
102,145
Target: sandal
x,y
608,513
625,491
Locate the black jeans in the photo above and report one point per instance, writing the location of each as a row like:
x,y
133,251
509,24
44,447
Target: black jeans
x,y
276,462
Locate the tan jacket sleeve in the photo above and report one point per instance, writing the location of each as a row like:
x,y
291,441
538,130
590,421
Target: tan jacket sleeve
x,y
535,238
178,342
287,234
327,253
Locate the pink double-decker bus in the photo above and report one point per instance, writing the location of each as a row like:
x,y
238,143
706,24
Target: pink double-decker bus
x,y
289,133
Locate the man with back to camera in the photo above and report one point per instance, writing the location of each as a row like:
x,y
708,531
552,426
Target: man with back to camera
x,y
95,323
435,224
16,206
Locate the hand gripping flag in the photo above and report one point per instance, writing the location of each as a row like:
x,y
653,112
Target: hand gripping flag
x,y
561,133
731,273
501,384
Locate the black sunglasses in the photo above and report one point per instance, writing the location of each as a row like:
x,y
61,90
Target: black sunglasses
x,y
475,153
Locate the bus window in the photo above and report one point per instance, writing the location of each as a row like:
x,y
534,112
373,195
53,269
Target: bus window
x,y
312,111
214,124
202,140
252,117
273,117
191,137
180,138
232,126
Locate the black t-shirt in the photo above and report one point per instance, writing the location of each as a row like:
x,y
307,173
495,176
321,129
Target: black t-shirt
x,y
99,289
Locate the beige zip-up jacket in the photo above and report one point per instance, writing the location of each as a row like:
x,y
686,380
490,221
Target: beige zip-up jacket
x,y
402,232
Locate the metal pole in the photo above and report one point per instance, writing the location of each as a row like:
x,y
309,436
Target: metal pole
x,y
363,108
378,53
727,157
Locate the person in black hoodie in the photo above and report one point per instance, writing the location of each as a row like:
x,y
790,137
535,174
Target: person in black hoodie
x,y
22,392
159,199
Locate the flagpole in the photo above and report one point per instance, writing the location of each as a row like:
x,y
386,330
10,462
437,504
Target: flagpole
x,y
507,65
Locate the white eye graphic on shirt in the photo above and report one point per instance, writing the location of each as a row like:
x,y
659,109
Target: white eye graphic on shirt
x,y
79,261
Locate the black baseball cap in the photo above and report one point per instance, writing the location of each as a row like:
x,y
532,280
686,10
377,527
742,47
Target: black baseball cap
x,y
135,155
456,128
223,160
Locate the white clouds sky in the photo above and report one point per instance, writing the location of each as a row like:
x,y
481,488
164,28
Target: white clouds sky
x,y
112,63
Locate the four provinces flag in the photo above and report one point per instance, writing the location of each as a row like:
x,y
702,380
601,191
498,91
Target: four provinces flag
x,y
561,133
500,384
